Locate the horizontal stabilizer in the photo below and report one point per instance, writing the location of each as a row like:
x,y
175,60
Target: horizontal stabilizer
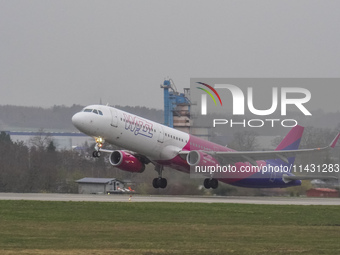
x,y
309,177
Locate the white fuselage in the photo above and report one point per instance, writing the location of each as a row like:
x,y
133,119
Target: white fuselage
x,y
131,132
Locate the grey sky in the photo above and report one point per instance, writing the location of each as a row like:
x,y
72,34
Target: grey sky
x,y
66,52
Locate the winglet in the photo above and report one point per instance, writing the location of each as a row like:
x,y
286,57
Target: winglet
x,y
333,143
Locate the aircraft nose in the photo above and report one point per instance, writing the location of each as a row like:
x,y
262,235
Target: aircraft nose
x,y
77,120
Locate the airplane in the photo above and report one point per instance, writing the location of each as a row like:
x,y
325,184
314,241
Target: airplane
x,y
145,141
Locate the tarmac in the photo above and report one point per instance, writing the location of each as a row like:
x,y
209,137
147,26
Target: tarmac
x,y
174,199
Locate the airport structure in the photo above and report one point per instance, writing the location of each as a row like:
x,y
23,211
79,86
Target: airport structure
x,y
176,107
177,110
322,192
99,186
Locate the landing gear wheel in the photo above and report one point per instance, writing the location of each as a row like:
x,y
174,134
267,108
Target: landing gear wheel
x,y
206,183
213,183
96,154
159,183
163,183
210,183
155,183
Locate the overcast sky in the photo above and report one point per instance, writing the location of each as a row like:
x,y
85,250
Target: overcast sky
x,y
76,52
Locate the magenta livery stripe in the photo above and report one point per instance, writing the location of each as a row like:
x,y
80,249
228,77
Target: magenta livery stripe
x,y
294,134
214,90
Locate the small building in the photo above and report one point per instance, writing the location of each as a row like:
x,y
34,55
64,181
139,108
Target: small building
x,y
99,186
322,192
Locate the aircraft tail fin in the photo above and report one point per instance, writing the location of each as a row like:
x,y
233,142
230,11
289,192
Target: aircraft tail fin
x,y
290,142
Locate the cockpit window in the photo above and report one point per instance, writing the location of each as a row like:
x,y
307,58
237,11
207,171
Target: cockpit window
x,y
93,110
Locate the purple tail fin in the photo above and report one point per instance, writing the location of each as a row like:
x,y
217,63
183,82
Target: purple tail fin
x,y
290,142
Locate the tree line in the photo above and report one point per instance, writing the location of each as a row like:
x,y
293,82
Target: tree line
x,y
39,167
57,117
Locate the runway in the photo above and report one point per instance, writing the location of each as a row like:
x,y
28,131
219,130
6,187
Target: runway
x,y
174,199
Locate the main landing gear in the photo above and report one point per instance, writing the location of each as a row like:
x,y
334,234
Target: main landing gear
x,y
210,183
159,182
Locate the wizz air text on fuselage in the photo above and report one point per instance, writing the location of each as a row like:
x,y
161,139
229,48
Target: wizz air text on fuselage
x,y
138,125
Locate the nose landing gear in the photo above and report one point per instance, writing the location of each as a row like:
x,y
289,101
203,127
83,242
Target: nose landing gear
x,y
99,144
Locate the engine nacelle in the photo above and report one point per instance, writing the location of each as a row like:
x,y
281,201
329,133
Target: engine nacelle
x,y
199,158
126,162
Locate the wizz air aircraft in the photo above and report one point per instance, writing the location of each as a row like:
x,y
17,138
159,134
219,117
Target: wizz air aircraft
x,y
145,141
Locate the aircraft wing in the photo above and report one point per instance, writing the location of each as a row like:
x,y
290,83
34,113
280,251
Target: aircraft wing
x,y
231,157
105,150
141,157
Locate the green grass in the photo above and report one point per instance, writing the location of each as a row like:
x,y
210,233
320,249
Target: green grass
x,y
34,227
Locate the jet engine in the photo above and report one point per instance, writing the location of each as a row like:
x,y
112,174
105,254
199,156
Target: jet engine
x,y
199,158
126,162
